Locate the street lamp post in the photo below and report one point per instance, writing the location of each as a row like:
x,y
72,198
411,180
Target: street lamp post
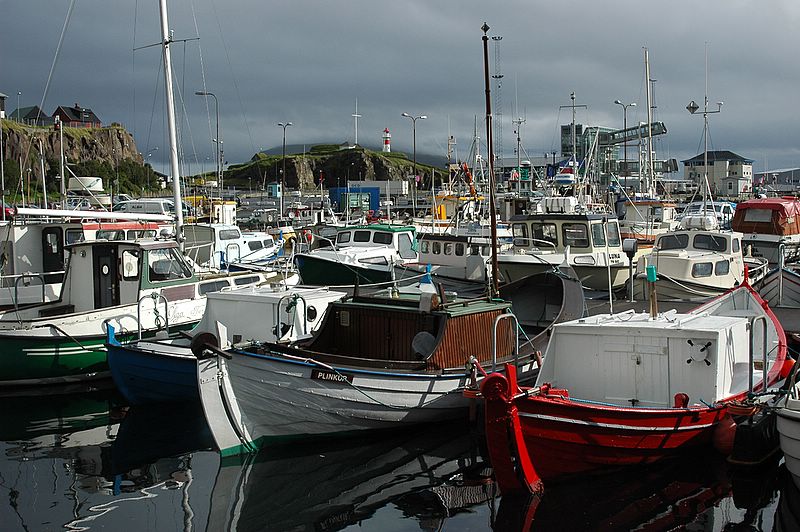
x,y
19,116
217,140
625,142
414,147
284,125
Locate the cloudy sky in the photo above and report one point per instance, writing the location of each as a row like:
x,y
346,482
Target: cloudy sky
x,y
307,62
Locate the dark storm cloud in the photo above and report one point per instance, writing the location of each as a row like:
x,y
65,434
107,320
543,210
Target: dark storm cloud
x,y
307,61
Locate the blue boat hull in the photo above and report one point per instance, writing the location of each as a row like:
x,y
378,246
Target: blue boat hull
x,y
145,377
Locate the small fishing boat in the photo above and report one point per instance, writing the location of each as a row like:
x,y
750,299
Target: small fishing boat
x,y
138,287
385,360
165,370
696,264
771,226
632,388
564,230
360,254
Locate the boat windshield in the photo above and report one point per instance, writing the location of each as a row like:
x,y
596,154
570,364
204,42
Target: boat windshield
x,y
678,241
710,242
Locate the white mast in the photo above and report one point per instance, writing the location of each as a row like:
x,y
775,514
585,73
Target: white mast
x,y
173,135
649,177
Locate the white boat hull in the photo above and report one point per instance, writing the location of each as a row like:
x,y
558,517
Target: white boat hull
x,y
789,431
276,399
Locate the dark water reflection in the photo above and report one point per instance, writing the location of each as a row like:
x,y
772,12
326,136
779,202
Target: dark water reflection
x,y
85,461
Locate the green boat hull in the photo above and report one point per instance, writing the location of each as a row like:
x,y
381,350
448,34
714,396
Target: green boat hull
x,y
317,272
31,360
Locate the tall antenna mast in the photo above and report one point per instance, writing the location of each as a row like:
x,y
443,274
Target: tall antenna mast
x,y
497,137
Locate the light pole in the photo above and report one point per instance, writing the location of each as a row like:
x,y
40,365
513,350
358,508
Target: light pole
x,y
19,116
284,125
217,140
414,144
693,108
150,162
625,142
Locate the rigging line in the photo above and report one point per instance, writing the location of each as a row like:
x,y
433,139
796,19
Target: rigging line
x,y
202,70
133,63
234,79
58,52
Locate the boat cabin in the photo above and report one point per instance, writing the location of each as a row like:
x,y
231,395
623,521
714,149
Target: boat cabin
x,y
215,245
716,257
400,238
412,332
582,232
632,360
41,248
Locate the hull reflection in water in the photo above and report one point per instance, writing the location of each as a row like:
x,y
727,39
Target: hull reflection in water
x,y
697,492
327,486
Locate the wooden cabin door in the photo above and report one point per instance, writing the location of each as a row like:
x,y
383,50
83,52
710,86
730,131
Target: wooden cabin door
x,y
52,249
106,280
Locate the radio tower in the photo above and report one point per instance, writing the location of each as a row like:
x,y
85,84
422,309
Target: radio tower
x,y
498,100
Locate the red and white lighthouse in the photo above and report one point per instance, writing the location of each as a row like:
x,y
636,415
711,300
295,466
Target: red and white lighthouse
x,y
387,141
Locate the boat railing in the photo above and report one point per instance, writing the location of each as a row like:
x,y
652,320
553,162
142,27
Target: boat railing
x,y
157,298
765,339
497,321
29,277
290,305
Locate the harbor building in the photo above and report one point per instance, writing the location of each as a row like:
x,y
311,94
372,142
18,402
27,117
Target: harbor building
x,y
729,174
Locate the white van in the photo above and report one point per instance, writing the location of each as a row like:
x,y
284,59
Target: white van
x,y
147,206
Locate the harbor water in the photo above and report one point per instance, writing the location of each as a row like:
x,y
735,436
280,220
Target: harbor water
x,y
85,460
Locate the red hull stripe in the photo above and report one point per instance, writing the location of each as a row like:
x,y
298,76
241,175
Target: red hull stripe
x,y
643,428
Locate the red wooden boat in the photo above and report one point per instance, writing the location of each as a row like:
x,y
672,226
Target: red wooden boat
x,y
626,389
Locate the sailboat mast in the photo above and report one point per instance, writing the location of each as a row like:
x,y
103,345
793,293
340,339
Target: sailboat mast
x,y
173,134
492,216
649,179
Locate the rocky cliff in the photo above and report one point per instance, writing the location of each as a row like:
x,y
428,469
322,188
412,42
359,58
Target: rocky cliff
x,y
111,144
335,166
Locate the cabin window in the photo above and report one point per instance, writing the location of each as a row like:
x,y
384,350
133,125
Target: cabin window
x,y
575,235
541,234
405,246
382,238
722,267
702,269
612,231
72,236
757,215
166,264
679,241
736,245
474,250
255,245
229,234
459,249
426,246
133,234
374,260
343,238
710,242
250,279
437,248
598,235
213,286
268,243
108,234
520,232
448,248
361,236
130,264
